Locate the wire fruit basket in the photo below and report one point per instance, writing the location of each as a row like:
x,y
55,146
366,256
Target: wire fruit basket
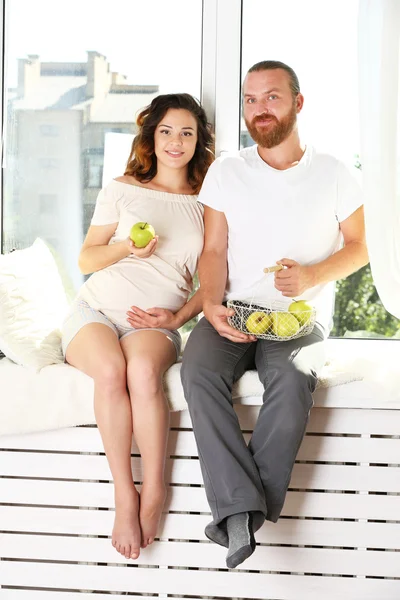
x,y
272,321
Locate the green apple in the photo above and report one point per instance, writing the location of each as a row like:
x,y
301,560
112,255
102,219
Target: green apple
x,y
301,310
284,324
258,322
141,234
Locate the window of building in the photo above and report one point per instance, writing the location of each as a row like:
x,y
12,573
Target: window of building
x,y
94,171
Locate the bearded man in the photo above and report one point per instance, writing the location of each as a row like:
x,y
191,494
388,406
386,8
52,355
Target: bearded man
x,y
275,202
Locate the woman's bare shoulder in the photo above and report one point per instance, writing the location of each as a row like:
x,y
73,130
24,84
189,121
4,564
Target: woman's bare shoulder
x,y
127,179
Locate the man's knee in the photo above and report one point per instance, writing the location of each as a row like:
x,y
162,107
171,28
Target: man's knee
x,y
295,386
301,378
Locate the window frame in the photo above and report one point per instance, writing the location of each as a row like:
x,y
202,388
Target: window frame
x,y
221,61
2,104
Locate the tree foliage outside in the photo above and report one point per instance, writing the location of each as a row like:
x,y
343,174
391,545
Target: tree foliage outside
x,y
359,311
190,324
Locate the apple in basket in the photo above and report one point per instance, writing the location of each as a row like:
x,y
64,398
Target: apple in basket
x,y
301,310
141,234
284,324
258,322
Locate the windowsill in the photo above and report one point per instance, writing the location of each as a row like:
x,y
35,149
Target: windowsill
x,y
363,347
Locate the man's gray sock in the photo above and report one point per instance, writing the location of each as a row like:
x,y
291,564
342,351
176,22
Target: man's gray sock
x,y
241,538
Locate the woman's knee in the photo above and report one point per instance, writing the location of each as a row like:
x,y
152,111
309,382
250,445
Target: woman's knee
x,y
144,377
110,376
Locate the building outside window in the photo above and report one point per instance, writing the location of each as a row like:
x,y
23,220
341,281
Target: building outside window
x,y
61,100
49,130
48,204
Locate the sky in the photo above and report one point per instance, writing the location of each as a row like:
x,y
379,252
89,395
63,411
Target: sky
x,y
159,42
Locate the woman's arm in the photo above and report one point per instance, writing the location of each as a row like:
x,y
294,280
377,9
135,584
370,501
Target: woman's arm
x,y
164,318
96,254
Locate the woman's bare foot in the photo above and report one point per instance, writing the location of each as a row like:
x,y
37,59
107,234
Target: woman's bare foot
x,y
126,535
152,498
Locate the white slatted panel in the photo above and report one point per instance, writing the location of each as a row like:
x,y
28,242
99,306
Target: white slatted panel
x,y
330,449
180,471
203,583
192,499
205,555
322,420
190,527
48,477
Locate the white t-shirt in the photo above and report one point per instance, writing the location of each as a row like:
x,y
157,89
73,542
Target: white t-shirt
x,y
165,279
274,214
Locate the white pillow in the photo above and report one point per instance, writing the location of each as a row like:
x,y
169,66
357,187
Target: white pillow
x,y
33,304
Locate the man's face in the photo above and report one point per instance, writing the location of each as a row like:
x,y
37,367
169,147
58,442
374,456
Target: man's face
x,y
269,108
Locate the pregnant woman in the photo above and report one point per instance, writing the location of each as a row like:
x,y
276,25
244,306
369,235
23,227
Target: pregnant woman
x,y
169,159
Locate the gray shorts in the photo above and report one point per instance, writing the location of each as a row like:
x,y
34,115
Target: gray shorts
x,y
81,314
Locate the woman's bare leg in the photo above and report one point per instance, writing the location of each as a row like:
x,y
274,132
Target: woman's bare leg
x,y
96,351
148,355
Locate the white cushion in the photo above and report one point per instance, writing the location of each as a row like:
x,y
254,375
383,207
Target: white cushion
x,y
29,402
33,304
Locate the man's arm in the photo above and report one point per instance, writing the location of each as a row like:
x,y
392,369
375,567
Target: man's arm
x,y
213,273
294,280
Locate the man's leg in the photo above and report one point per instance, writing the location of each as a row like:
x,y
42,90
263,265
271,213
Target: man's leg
x,y
288,371
211,364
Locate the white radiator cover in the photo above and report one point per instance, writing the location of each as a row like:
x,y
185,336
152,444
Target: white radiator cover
x,y
342,511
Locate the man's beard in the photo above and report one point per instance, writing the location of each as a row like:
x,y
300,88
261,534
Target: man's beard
x,y
276,132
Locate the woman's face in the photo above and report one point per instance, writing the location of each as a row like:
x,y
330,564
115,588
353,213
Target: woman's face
x,y
175,138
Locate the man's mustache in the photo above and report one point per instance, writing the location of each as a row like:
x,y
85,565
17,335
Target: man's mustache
x,y
264,117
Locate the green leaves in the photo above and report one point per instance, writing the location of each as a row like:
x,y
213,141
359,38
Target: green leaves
x,y
359,309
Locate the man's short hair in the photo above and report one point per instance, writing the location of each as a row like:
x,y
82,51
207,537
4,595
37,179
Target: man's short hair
x,y
269,65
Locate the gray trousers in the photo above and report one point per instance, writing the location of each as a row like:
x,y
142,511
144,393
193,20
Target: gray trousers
x,y
255,477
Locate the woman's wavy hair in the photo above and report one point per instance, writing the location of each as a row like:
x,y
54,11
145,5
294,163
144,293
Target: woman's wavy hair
x,y
142,161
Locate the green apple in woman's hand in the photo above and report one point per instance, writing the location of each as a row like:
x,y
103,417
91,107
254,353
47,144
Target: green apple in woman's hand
x,y
141,234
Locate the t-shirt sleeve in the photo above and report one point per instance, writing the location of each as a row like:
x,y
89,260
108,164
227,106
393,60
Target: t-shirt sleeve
x,y
107,207
349,192
210,193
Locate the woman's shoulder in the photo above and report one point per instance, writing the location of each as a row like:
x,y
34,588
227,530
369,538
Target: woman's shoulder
x,y
152,189
123,186
128,179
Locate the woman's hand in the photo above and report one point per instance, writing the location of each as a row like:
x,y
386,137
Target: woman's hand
x,y
141,252
160,318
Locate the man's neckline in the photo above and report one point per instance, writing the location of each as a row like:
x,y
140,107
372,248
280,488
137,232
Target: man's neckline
x,y
300,163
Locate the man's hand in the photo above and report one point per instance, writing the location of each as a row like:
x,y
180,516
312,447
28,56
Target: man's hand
x,y
141,252
294,279
160,318
217,315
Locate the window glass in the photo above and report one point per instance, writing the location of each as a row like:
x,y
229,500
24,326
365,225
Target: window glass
x,y
319,41
62,100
